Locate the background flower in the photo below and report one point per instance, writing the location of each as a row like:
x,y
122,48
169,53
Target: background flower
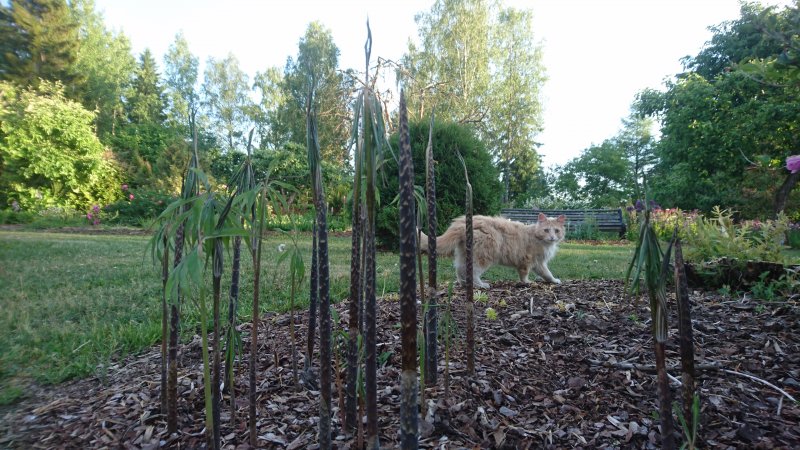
x,y
793,163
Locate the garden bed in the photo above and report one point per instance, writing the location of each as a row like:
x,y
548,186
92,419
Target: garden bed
x,y
561,367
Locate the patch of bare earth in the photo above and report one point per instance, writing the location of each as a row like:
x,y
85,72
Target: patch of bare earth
x,y
563,366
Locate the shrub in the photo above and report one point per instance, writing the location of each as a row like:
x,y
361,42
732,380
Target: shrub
x,y
793,235
584,231
719,236
448,140
665,221
13,217
50,154
138,206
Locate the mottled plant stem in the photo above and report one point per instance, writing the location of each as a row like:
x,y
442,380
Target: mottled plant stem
x,y
164,324
409,415
174,331
432,313
686,335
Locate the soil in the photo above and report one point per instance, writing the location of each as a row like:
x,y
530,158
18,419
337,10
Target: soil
x,y
566,366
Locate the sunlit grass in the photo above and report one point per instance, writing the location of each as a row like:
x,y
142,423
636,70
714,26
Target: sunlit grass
x,y
74,303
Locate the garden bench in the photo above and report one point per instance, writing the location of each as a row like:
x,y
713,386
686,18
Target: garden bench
x,y
604,219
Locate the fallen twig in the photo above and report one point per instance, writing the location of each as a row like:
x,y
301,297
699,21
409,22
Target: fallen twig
x,y
646,367
755,378
649,368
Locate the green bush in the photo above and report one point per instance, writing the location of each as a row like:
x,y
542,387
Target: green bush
x,y
448,140
584,231
305,222
50,154
137,208
793,236
719,236
8,217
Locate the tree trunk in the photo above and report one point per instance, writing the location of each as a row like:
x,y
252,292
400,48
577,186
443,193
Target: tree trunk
x,y
686,338
782,195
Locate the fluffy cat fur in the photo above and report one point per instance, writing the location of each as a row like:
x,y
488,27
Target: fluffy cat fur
x,y
498,240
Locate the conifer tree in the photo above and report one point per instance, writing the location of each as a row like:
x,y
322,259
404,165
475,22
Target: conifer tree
x,y
39,41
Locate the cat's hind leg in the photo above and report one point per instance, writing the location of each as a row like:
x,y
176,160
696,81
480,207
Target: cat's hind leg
x,y
523,274
477,271
459,263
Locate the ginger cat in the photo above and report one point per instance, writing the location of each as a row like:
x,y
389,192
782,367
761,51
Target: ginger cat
x,y
498,240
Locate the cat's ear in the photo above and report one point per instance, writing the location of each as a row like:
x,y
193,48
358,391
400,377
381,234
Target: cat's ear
x,y
542,217
562,218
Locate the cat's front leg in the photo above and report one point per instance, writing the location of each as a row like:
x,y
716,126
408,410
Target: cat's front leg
x,y
544,272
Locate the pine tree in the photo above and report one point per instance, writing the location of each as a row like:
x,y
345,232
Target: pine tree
x,y
40,41
146,103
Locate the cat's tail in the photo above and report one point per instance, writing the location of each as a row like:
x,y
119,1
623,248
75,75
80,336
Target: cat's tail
x,y
445,244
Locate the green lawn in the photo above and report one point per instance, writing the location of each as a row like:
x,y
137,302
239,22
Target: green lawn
x,y
72,303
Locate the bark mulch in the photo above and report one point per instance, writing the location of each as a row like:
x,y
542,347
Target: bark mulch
x,y
566,366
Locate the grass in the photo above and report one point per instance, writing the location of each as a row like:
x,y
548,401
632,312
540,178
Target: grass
x,y
73,303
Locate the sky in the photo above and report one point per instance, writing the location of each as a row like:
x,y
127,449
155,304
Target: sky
x,y
597,53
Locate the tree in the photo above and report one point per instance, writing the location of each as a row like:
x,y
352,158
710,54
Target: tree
x,y
272,130
604,174
40,41
636,140
226,95
49,153
612,173
180,73
515,111
146,100
318,57
781,69
723,131
105,60
451,69
450,185
478,64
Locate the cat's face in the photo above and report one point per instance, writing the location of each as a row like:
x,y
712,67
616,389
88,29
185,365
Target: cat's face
x,y
550,229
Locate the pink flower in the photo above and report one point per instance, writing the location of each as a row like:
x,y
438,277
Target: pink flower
x,y
793,163
130,197
124,187
89,216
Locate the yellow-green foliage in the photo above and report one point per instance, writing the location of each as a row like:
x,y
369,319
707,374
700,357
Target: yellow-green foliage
x,y
719,236
49,152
